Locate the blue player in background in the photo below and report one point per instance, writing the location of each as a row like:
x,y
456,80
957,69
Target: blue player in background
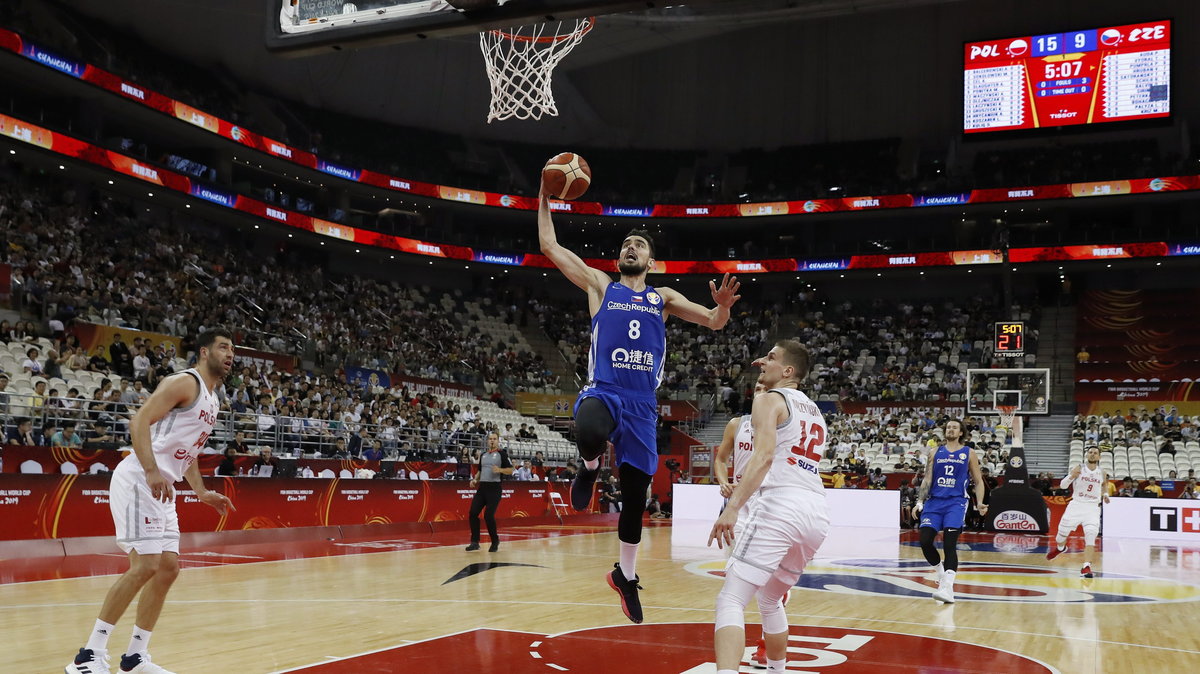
x,y
625,366
949,468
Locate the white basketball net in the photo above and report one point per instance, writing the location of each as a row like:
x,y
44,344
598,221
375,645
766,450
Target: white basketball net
x,y
520,65
1008,419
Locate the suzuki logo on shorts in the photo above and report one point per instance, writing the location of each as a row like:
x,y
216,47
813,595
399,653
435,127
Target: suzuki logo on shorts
x,y
1015,520
181,453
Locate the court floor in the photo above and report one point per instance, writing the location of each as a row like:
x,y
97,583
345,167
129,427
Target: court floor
x,y
540,605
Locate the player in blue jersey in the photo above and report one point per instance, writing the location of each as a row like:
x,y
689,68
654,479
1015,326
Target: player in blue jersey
x,y
625,366
945,485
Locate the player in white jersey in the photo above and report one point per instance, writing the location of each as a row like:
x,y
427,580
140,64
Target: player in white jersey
x,y
167,432
788,518
1088,484
738,440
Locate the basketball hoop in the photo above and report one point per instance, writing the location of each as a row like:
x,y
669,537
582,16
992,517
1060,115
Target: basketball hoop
x,y
1008,419
520,65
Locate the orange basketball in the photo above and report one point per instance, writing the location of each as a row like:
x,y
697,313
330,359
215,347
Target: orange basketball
x,y
567,176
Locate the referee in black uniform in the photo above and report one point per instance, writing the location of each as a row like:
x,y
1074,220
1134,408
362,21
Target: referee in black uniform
x,y
492,464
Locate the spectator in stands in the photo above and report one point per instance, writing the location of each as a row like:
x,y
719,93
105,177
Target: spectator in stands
x,y
121,357
508,435
238,444
99,362
228,465
523,473
31,364
1128,487
908,497
22,434
568,472
1189,491
877,480
374,452
6,332
67,437
838,479
265,459
1167,447
339,449
610,495
49,428
524,434
77,359
52,368
538,460
98,437
1083,356
141,365
1172,475
4,394
1152,487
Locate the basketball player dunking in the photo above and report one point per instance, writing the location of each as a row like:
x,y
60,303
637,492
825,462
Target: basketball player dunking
x,y
1089,482
788,517
625,366
167,433
738,440
945,484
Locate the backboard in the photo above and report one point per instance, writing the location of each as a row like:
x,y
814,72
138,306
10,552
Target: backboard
x,y
300,27
1028,389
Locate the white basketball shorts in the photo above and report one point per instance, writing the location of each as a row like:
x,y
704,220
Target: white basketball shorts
x,y
143,523
1079,513
781,534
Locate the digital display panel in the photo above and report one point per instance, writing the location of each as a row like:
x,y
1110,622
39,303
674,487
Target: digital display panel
x,y
1010,338
1108,74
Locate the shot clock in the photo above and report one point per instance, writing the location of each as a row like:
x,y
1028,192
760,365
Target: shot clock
x,y
1077,77
1010,339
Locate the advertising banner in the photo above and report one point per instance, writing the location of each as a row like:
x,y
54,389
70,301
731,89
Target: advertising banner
x,y
59,506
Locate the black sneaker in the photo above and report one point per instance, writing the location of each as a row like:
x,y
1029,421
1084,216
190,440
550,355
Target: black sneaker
x,y
472,546
628,589
581,488
494,547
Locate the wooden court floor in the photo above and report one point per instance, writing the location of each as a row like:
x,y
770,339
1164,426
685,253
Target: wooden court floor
x,y
540,605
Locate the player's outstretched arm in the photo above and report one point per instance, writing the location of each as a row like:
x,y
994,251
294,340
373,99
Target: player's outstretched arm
x,y
724,296
721,456
571,265
177,391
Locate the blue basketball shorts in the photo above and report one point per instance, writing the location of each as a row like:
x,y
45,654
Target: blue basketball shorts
x,y
635,438
944,513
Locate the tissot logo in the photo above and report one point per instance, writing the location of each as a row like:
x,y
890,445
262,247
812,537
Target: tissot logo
x,y
1164,519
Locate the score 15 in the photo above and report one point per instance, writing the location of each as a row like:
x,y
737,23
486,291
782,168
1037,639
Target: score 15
x,y
1010,339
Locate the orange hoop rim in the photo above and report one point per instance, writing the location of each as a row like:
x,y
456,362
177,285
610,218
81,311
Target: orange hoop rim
x,y
517,37
1007,411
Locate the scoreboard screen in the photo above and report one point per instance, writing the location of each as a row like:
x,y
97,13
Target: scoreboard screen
x,y
1010,339
1089,76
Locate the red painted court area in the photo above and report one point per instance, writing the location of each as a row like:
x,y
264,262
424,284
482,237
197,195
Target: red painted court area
x,y
677,648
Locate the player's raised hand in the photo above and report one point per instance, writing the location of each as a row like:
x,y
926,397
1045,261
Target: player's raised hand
x,y
725,295
1075,472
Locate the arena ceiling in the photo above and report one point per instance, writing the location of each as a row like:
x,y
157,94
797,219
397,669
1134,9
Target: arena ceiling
x,y
440,83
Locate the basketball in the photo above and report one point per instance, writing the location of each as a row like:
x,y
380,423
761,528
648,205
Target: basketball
x,y
566,176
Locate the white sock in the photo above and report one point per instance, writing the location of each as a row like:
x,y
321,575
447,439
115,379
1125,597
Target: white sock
x,y
629,560
98,641
139,642
940,568
950,578
592,465
727,671
776,665
1087,563
1062,543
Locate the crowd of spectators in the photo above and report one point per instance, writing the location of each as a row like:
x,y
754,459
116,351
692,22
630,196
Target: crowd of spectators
x,y
91,257
813,171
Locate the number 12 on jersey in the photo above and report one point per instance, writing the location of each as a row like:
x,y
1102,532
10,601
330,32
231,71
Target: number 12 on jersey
x,y
810,443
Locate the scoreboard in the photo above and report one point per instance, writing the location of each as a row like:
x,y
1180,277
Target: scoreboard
x,y
1089,76
1010,339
